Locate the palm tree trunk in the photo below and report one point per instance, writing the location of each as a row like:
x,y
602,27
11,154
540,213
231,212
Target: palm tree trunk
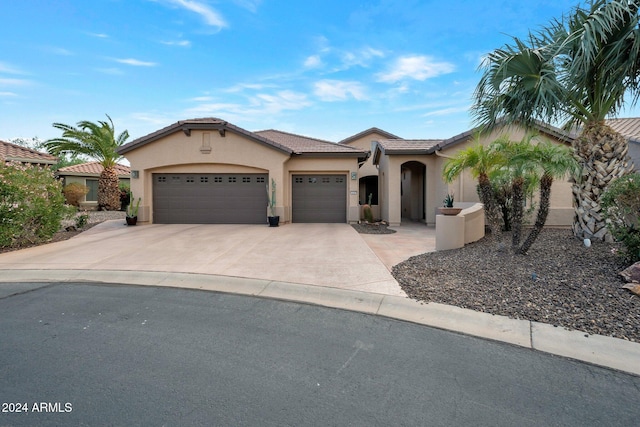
x,y
108,190
602,154
491,210
517,207
543,211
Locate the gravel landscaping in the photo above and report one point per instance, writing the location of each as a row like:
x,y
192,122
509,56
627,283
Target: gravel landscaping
x,y
560,282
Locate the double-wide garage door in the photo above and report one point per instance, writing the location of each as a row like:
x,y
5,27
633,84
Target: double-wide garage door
x,y
210,198
319,198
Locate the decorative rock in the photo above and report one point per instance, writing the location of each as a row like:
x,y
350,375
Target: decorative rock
x,y
633,288
632,273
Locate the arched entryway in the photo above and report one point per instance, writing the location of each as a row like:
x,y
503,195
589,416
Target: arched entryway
x,y
413,182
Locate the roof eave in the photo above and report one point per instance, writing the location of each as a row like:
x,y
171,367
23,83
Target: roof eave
x,y
30,160
187,127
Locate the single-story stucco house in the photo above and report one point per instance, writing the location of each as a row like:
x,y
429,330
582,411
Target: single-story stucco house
x,y
16,153
211,171
88,174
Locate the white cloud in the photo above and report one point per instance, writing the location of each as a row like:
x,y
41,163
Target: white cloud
x,y
210,16
135,62
201,99
9,69
447,111
314,61
336,90
112,71
361,57
8,95
14,82
180,43
99,35
251,86
59,51
416,67
283,100
250,5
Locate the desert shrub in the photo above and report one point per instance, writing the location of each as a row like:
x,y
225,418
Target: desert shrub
x,y
621,209
368,213
31,204
82,220
74,192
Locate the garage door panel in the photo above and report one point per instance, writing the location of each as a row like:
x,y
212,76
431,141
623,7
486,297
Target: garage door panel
x,y
319,198
209,198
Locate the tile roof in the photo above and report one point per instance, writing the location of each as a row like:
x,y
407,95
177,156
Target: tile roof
x,y
409,146
629,127
359,135
300,144
91,169
9,151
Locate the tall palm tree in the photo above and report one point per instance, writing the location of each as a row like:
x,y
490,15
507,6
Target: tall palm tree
x,y
96,140
555,161
577,70
481,161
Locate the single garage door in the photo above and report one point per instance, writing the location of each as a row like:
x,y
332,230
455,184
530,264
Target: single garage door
x,y
319,198
209,198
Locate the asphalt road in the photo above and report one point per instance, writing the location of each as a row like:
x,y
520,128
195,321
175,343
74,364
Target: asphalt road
x,y
90,354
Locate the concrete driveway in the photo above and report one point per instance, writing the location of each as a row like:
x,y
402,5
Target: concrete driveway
x,y
332,255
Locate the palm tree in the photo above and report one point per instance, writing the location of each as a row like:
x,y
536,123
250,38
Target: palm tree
x,y
96,140
555,161
577,71
519,172
481,161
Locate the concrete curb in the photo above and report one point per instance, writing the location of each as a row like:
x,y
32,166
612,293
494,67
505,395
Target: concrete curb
x,y
595,349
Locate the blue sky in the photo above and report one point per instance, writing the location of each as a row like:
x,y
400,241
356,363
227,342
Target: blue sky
x,y
326,69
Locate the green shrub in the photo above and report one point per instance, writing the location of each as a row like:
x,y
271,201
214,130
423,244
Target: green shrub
x,y
82,220
621,209
74,192
31,204
368,213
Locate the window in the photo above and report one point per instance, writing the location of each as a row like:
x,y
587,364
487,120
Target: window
x,y
246,179
92,195
231,179
204,179
162,179
190,179
260,179
217,179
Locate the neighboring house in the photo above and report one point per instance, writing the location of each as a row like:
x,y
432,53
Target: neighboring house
x,y
211,171
630,128
88,174
16,153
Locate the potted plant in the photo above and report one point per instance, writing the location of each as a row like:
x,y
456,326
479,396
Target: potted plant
x,y
132,211
273,219
448,208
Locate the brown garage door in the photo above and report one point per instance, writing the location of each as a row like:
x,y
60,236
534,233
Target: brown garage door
x,y
319,198
209,198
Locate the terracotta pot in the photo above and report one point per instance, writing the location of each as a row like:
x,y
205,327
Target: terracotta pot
x,y
450,211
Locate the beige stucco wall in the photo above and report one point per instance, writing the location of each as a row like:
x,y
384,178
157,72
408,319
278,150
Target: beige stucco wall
x,y
233,153
365,143
390,184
